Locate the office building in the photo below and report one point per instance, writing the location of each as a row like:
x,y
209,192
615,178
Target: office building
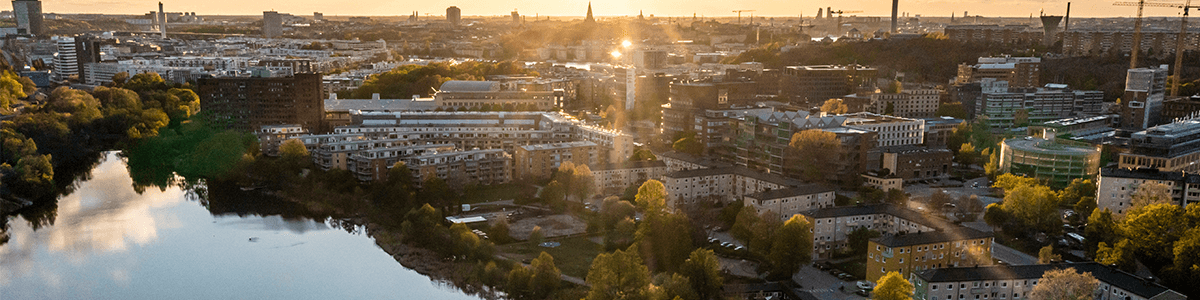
x,y
906,104
272,24
938,130
1023,72
453,15
883,182
1179,108
908,253
812,85
1142,104
248,103
28,14
1008,107
539,162
690,99
1049,161
761,142
917,163
1017,282
1115,187
66,61
1173,147
892,131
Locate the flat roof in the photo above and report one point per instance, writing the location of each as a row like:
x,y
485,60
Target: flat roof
x,y
807,189
940,236
1110,275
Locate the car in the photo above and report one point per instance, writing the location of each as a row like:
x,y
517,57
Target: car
x,y
866,285
846,277
834,272
739,248
863,293
726,244
712,240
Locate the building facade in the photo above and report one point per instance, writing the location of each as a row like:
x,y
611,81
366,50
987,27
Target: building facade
x,y
1142,104
1048,160
913,163
907,104
788,202
1115,187
1017,282
541,160
833,225
1173,147
1017,71
812,85
612,177
920,251
248,103
723,185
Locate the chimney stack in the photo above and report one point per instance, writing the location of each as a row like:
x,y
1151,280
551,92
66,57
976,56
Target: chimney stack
x,y
895,9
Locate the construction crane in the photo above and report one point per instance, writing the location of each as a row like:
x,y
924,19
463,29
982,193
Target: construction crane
x,y
1179,45
740,14
838,30
1137,26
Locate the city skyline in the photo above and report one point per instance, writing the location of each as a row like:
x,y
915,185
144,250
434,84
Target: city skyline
x,y
573,8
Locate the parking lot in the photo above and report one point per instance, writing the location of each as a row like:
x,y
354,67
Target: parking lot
x,y
823,285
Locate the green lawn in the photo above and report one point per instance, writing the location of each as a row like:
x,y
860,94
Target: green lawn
x,y
573,258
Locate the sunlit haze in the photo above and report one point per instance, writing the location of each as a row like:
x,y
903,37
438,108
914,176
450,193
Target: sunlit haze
x,y
708,8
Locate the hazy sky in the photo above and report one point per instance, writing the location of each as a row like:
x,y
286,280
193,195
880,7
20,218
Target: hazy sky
x,y
1014,8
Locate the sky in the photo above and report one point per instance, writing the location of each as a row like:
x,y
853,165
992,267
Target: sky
x,y
662,8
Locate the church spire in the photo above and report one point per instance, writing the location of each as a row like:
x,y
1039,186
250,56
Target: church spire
x,y
589,18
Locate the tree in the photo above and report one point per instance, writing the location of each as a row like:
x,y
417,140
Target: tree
x,y
704,272
969,207
1064,284
938,200
1120,254
1149,193
670,286
1035,206
553,192
293,150
535,236
500,230
892,286
967,154
792,247
1076,190
992,166
1153,229
651,196
1101,228
834,106
665,240
890,109
1046,255
642,155
583,182
814,151
618,275
1085,206
1008,181
858,239
545,277
688,145
995,215
1021,117
1184,271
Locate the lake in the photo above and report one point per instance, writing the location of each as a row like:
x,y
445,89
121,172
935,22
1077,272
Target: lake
x,y
109,242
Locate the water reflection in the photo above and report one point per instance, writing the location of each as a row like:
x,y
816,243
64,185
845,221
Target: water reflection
x,y
108,241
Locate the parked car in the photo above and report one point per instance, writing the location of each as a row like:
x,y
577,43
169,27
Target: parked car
x,y
739,248
866,285
847,277
834,272
863,293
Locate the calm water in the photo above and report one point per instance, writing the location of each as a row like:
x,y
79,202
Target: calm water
x,y
109,242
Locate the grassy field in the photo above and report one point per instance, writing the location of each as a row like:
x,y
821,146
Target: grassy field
x,y
573,258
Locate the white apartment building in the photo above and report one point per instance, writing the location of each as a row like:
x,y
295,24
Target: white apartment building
x,y
832,225
893,131
788,202
725,184
621,176
1017,282
1115,187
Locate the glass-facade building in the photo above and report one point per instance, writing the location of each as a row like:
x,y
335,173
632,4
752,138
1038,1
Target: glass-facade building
x,y
1050,161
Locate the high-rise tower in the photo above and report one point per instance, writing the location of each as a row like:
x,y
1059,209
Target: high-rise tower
x,y
29,16
162,21
453,15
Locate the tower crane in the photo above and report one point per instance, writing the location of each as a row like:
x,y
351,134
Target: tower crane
x,y
1137,26
1179,41
739,12
838,30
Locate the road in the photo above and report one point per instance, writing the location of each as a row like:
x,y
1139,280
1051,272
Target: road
x,y
824,286
1012,256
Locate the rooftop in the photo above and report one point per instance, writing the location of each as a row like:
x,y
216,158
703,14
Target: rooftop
x,y
1113,276
632,165
740,171
873,209
470,86
940,236
807,189
1032,144
556,146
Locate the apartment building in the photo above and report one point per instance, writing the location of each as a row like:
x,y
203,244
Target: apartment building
x,y
1008,107
915,252
374,164
916,163
485,167
1017,282
248,103
541,160
1115,187
832,225
812,85
1007,34
271,136
791,201
1142,103
1173,147
620,176
725,185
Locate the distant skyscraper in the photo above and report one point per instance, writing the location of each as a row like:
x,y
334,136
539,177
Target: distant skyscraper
x,y
66,61
453,15
516,17
29,16
318,16
162,21
589,18
272,24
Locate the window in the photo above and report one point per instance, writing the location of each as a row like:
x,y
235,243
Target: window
x,y
933,287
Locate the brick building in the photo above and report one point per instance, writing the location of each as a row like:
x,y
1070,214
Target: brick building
x,y
248,103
